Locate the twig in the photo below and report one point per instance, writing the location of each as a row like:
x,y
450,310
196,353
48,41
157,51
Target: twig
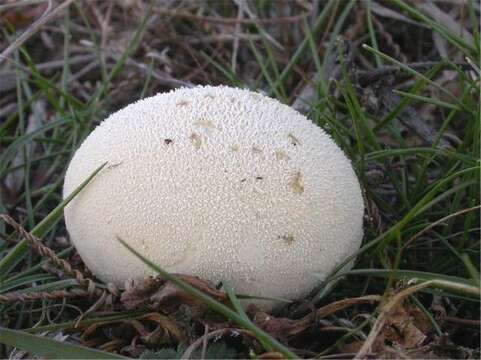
x,y
385,311
17,297
32,30
79,59
331,308
204,343
468,322
20,3
366,77
268,37
387,308
272,355
161,76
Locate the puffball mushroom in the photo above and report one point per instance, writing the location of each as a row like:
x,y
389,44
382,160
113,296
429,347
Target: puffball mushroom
x,y
221,183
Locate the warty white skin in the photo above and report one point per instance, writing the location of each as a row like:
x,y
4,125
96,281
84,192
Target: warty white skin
x,y
217,182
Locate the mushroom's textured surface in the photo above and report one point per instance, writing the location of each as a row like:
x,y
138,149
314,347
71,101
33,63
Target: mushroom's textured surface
x,y
217,182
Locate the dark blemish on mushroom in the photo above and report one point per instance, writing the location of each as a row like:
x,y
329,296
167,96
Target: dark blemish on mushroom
x,y
243,180
182,103
293,140
296,183
196,140
288,239
256,150
168,141
259,178
281,155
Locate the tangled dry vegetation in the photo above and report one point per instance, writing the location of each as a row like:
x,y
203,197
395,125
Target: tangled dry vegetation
x,y
395,83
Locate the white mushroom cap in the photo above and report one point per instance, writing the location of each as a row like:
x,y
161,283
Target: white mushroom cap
x,y
217,182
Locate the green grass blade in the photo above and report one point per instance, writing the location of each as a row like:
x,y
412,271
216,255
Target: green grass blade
x,y
131,47
261,335
49,348
418,74
420,151
450,283
305,44
428,100
238,307
19,251
265,71
8,285
372,34
233,78
412,213
473,272
14,147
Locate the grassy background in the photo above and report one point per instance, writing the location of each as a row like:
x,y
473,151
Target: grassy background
x,y
395,83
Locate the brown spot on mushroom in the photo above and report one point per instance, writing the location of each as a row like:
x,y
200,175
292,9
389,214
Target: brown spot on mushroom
x,y
281,155
296,183
206,124
243,180
293,140
235,147
196,140
259,178
256,150
182,103
288,239
168,141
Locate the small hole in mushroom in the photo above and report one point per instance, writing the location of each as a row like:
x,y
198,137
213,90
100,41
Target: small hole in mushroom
x,y
168,141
